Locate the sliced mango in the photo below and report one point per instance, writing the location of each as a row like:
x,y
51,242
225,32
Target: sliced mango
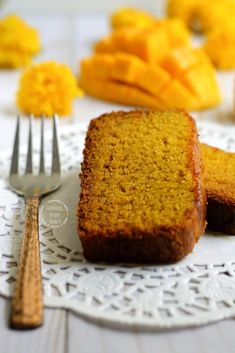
x,y
201,80
129,16
176,95
151,63
126,68
187,79
180,59
132,17
154,79
118,92
119,66
206,88
177,32
186,10
149,44
105,45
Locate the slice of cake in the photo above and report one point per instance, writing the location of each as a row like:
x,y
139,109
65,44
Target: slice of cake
x,y
220,188
142,195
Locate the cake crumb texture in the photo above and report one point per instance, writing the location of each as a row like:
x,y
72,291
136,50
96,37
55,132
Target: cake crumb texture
x,y
142,195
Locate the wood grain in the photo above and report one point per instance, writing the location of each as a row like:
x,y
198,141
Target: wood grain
x,y
216,338
49,338
27,304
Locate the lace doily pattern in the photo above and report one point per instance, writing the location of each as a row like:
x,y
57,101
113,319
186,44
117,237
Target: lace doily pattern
x,y
197,290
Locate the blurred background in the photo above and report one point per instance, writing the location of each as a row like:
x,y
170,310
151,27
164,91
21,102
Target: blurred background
x,y
82,5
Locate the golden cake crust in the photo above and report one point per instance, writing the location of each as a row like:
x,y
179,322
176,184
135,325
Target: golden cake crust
x,y
220,183
148,243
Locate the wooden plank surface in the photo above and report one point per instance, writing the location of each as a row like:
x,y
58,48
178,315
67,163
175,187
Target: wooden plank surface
x,y
50,338
85,337
65,332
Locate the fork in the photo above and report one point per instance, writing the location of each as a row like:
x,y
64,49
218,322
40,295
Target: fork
x,y
27,302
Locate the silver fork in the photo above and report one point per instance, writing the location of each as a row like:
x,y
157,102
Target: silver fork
x,y
27,302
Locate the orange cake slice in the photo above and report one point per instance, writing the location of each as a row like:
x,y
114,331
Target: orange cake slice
x,y
220,185
142,193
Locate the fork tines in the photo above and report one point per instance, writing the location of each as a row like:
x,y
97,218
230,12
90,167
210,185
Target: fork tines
x,y
55,163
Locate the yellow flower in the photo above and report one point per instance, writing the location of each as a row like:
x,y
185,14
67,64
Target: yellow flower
x,y
18,42
47,88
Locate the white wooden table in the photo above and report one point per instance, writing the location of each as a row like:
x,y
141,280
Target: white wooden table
x,y
67,39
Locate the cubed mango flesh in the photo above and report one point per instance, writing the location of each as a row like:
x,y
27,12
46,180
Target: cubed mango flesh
x,y
149,44
188,81
118,92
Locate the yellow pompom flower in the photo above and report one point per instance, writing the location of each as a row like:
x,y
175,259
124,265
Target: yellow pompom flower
x,y
18,42
47,88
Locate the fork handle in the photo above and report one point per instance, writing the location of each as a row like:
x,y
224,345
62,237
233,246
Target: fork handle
x,y
27,302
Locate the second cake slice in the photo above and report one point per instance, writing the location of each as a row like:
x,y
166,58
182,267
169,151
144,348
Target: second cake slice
x,y
142,195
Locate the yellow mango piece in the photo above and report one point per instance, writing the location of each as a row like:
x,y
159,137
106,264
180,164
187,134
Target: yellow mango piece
x,y
201,80
117,92
149,44
203,84
119,67
153,79
185,78
177,32
98,65
105,45
176,95
193,68
132,17
180,59
186,10
129,16
126,68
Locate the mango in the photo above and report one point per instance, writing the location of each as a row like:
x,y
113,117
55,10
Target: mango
x,y
126,68
177,95
118,92
187,11
188,83
150,66
179,59
177,32
132,17
201,80
149,44
129,16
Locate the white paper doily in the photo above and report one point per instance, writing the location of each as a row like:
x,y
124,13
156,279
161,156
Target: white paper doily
x,y
197,290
